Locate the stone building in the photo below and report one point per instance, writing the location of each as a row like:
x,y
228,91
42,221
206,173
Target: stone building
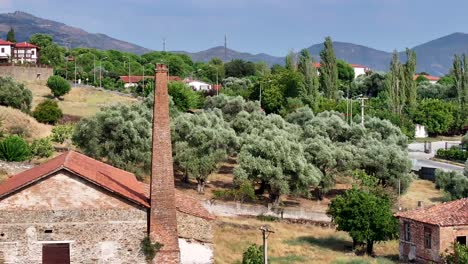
x,y
426,233
74,209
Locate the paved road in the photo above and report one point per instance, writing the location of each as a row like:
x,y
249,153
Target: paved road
x,y
421,159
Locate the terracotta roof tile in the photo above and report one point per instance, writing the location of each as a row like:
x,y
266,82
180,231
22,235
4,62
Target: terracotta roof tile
x,y
185,204
25,45
4,42
429,77
118,181
453,213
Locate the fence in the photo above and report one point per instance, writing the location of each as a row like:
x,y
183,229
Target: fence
x,y
233,209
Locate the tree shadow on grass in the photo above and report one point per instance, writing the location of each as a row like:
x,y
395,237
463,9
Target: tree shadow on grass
x,y
330,242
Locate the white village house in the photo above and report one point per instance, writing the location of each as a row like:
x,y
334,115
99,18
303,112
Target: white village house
x,y
6,48
198,85
358,69
22,52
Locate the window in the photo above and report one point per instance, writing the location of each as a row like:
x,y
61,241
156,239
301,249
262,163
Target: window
x,y
407,230
461,240
3,50
32,52
427,237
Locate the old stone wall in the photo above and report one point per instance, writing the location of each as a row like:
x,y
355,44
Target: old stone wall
x,y
448,236
191,227
415,248
95,236
23,73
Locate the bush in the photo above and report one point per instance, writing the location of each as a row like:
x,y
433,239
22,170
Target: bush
x,y
253,255
48,112
15,95
454,154
244,192
14,148
61,133
464,141
453,183
184,97
58,85
42,148
267,218
457,256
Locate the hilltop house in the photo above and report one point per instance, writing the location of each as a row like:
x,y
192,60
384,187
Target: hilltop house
x,y
74,209
425,233
6,48
18,52
430,78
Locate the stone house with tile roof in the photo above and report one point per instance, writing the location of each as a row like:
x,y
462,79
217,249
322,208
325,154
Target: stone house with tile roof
x,y
426,233
75,209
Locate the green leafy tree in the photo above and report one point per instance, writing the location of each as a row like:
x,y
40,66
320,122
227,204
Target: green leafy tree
x,y
395,86
345,72
51,53
62,133
253,255
436,115
365,215
15,94
42,148
11,36
290,62
200,142
239,68
58,85
453,183
369,85
409,70
310,89
458,255
14,148
464,140
184,98
328,70
47,112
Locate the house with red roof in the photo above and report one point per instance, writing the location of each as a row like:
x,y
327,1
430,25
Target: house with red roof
x,y
426,233
358,69
430,78
75,209
6,48
25,52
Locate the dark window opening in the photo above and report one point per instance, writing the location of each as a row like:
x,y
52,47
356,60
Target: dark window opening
x,y
3,50
48,231
427,237
407,230
461,240
2,234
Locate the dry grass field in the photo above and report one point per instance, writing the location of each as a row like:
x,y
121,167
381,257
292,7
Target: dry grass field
x,y
292,243
13,119
80,101
421,190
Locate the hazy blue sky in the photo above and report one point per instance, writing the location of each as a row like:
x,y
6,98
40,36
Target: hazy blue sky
x,y
270,26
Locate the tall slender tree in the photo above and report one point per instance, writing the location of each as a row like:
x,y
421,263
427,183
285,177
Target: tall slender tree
x,y
410,84
458,75
306,66
290,61
394,83
11,35
328,70
464,90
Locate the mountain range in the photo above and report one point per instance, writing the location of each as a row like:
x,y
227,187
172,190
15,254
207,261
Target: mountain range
x,y
434,57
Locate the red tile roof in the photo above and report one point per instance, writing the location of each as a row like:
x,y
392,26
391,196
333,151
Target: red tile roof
x,y
453,213
429,77
25,45
358,66
4,42
115,180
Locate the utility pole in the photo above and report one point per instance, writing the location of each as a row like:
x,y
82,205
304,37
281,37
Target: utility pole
x,y
225,47
265,233
399,193
94,69
75,69
362,109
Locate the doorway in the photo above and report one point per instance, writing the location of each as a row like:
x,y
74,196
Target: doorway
x,y
56,253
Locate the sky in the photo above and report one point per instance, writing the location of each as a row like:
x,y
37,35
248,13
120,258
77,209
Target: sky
x,y
257,26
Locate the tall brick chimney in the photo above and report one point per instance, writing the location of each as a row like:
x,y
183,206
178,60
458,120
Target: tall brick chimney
x,y
163,222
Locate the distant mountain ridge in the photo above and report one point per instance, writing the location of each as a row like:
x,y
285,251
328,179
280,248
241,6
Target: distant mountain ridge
x,y
434,57
26,24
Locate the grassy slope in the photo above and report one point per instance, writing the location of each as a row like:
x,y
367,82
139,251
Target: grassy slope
x,y
80,101
421,190
291,243
11,118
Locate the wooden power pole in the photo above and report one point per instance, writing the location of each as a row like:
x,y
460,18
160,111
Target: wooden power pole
x,y
265,233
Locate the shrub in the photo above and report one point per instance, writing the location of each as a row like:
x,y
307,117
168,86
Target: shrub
x,y
454,154
19,131
244,192
58,85
267,218
150,249
61,133
14,148
464,140
42,148
184,97
253,255
47,112
458,255
15,94
453,183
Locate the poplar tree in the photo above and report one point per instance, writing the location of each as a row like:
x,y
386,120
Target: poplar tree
x,y
289,61
11,35
458,74
410,84
306,66
394,83
328,70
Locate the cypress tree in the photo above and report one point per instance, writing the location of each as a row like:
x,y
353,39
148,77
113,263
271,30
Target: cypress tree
x,y
394,83
11,35
309,92
410,84
328,70
458,75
